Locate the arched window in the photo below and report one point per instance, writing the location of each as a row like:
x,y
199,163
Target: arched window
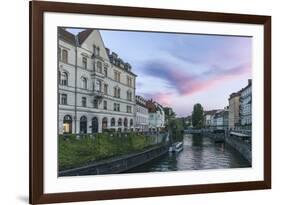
x,y
64,56
67,124
131,122
64,78
112,124
84,82
83,124
95,125
125,122
104,123
119,122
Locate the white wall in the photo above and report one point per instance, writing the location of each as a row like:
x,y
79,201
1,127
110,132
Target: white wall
x,y
14,102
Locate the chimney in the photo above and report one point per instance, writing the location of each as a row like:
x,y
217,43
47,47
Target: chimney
x,y
249,81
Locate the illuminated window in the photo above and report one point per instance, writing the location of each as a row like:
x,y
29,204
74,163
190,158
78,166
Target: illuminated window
x,y
67,124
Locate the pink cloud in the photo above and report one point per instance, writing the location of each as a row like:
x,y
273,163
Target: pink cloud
x,y
187,84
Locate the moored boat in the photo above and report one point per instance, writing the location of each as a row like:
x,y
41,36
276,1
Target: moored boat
x,y
176,147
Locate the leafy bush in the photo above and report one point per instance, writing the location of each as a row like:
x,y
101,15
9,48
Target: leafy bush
x,y
75,152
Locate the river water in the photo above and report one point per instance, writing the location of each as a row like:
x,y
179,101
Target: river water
x,y
198,153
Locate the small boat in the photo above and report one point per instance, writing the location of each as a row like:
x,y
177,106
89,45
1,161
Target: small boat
x,y
176,147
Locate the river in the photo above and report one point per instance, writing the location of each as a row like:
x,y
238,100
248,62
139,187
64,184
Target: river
x,y
198,153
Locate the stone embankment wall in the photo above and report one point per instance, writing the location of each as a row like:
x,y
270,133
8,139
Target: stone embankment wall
x,y
241,146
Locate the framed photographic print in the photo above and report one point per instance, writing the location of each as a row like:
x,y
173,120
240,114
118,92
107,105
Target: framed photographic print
x,y
139,102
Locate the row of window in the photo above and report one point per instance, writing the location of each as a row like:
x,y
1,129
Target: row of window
x,y
63,79
63,56
67,124
246,109
141,119
246,121
116,107
141,109
246,92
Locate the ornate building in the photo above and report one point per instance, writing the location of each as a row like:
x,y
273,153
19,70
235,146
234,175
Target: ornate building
x,y
96,88
234,110
246,105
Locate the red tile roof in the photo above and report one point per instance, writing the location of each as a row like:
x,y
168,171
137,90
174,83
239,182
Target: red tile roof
x,y
83,35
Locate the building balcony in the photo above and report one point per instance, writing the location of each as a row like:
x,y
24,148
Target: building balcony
x,y
95,74
97,94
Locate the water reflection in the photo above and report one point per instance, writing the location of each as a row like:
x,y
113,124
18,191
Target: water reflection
x,y
198,153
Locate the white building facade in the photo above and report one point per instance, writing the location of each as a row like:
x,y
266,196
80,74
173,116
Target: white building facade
x,y
96,89
141,114
220,119
156,120
209,118
246,105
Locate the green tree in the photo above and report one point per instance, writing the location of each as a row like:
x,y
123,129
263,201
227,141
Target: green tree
x,y
176,128
197,116
169,115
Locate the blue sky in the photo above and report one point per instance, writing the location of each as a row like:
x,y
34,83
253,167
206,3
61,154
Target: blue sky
x,y
179,70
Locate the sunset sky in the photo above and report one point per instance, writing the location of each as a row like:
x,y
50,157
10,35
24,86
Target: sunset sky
x,y
179,70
